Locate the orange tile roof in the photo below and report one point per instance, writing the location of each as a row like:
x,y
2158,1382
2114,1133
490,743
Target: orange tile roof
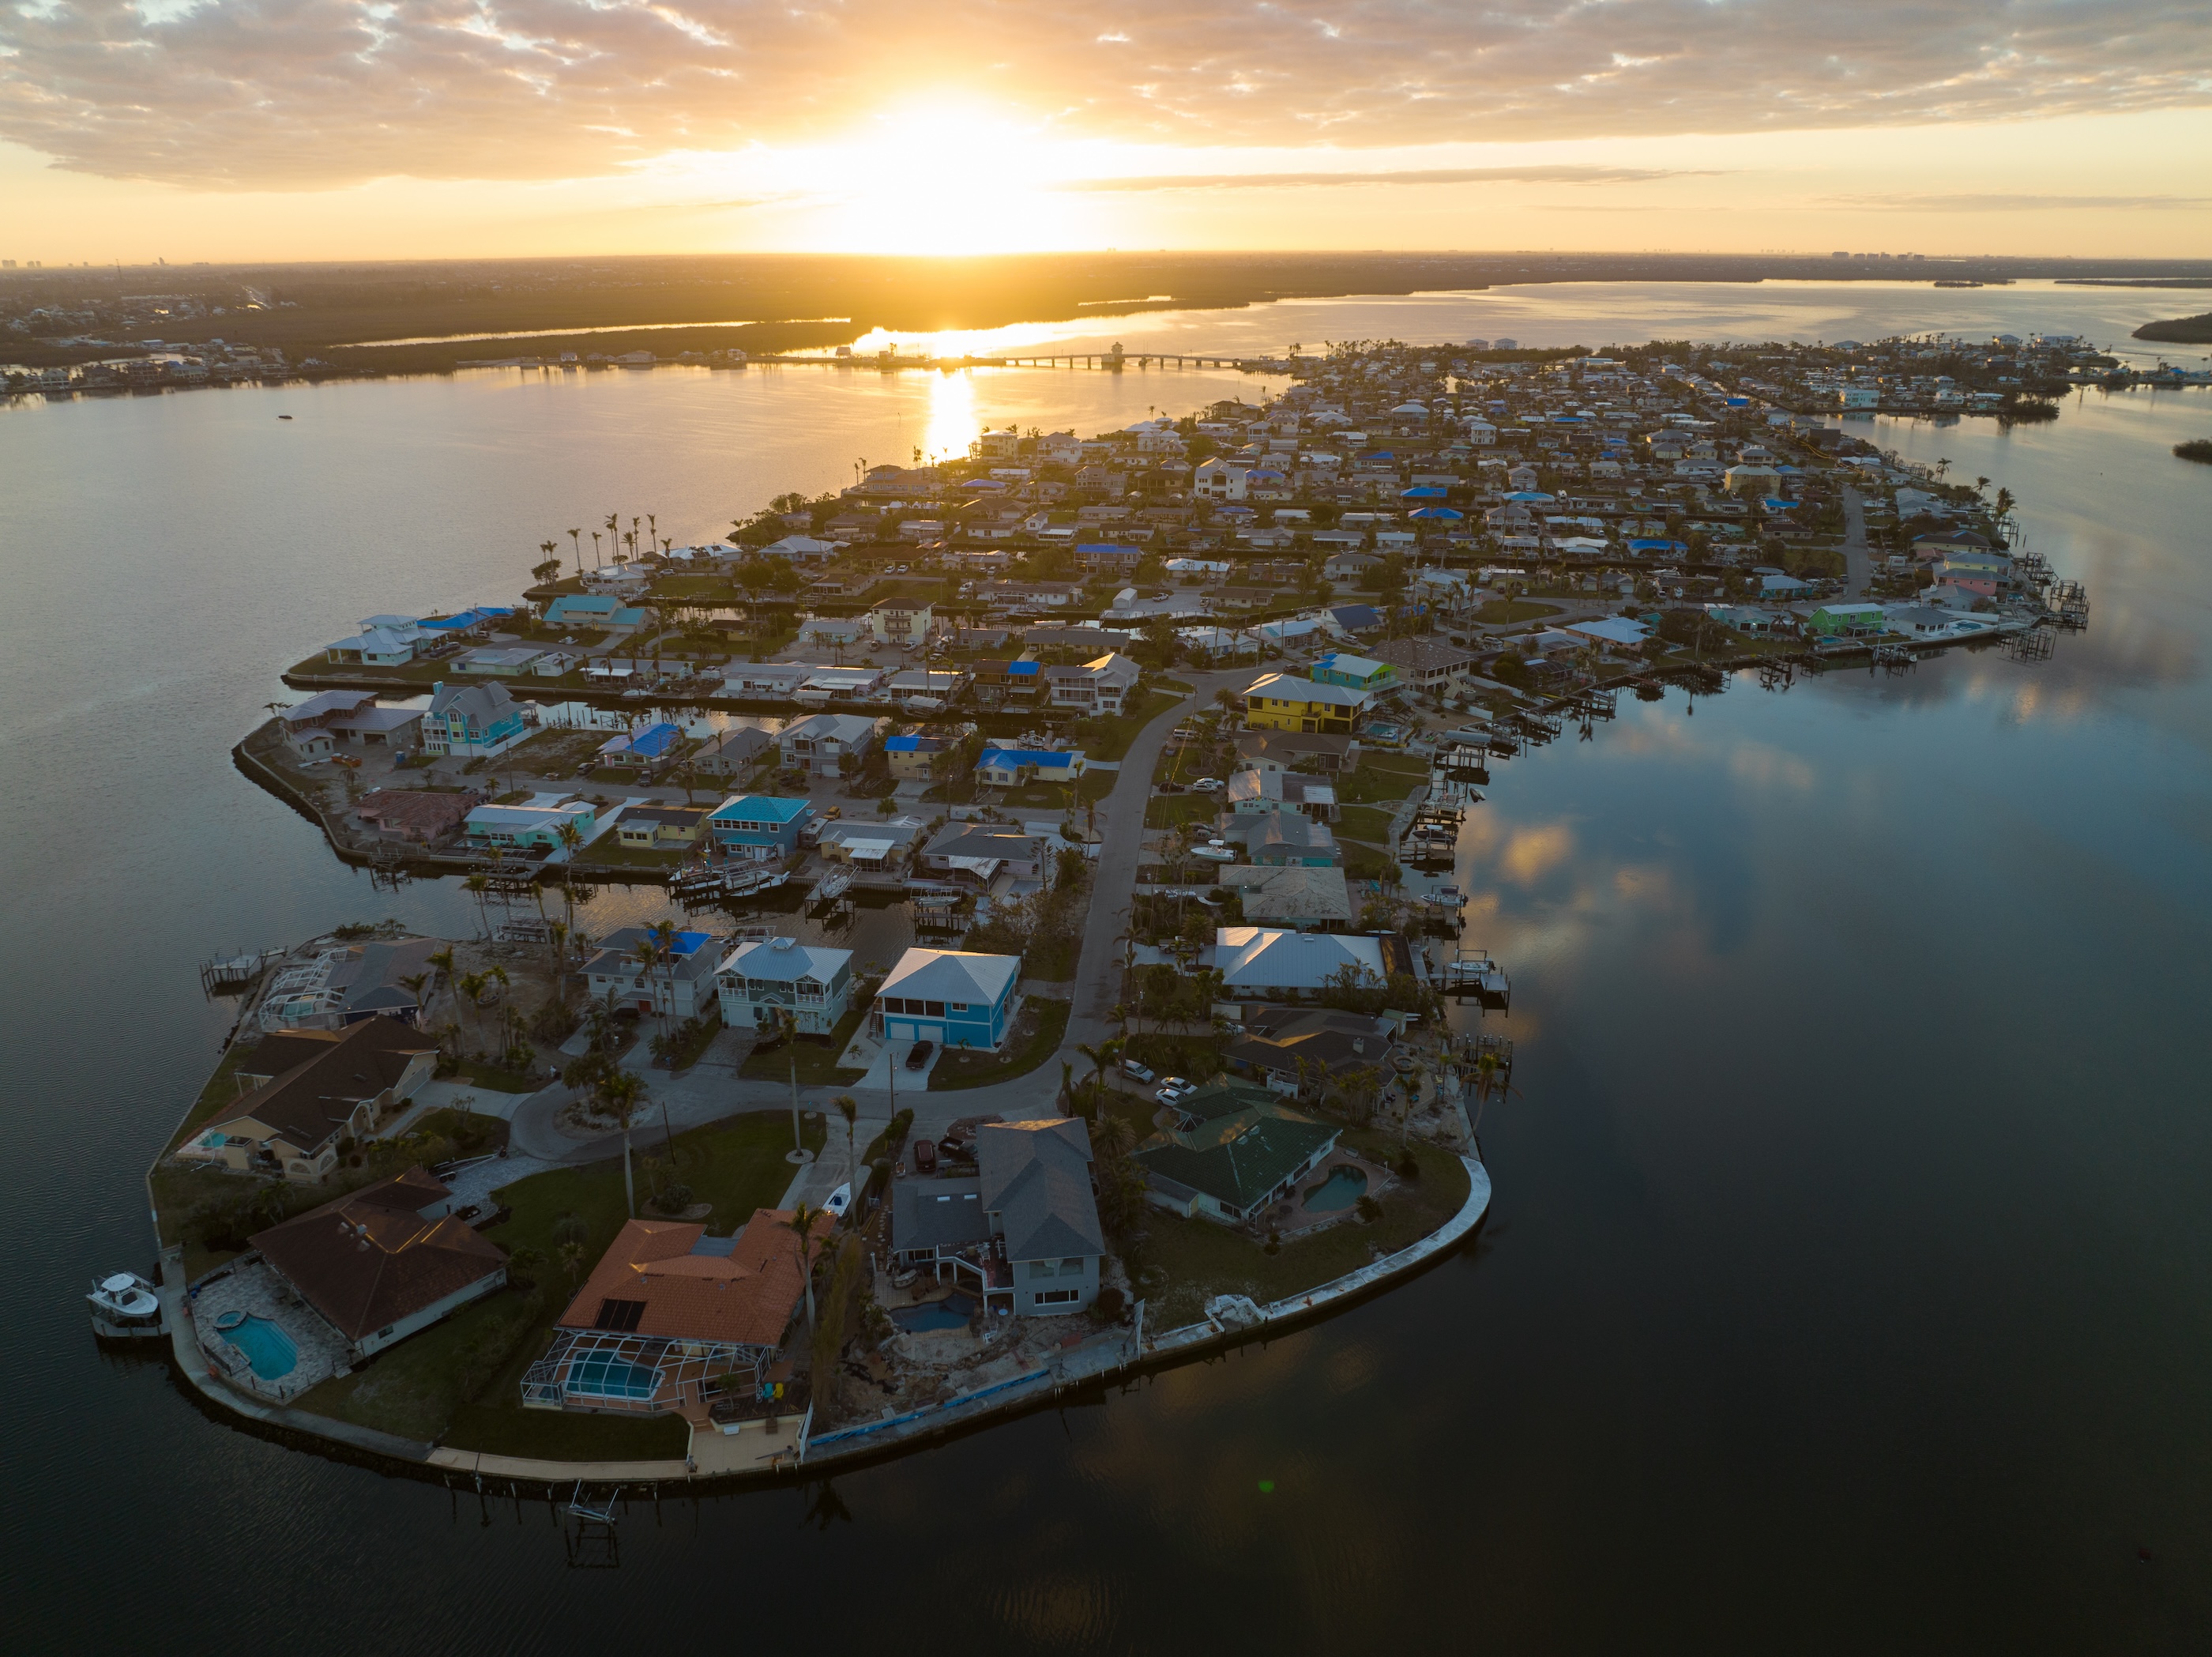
x,y
745,1297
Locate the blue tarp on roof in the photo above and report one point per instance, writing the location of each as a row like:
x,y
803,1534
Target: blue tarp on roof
x,y
1424,493
1439,514
1657,546
1108,546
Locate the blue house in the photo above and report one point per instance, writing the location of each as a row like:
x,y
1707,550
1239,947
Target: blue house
x,y
758,826
594,610
949,996
648,746
471,719
475,619
1007,768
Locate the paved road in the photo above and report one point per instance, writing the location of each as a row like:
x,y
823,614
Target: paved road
x,y
712,1089
1858,562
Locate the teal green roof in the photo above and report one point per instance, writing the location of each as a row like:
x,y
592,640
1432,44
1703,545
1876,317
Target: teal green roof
x,y
1238,1158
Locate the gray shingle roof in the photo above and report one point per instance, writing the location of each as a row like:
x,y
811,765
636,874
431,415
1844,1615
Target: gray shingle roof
x,y
936,1213
1035,1178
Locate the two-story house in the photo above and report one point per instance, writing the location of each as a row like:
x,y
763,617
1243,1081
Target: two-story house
x,y
472,720
1278,702
759,827
762,981
908,622
1101,686
820,744
1033,1180
951,997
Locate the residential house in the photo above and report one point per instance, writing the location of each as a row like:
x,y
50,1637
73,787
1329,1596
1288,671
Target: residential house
x,y
1283,840
1350,618
345,983
871,843
913,757
950,996
1300,898
597,611
1259,961
823,744
472,720
378,646
1110,557
1608,632
660,828
764,681
1362,673
938,1221
671,1319
1101,686
504,660
1308,751
759,827
677,982
1301,1051
1219,479
800,549
645,748
305,726
762,981
924,687
834,630
1847,620
1278,702
996,680
306,1090
1231,1151
732,752
908,622
533,823
851,684
1033,1179
423,817
982,852
1430,665
381,1263
1008,768
1251,792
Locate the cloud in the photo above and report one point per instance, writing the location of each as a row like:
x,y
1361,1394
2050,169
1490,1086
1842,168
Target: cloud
x,y
297,93
2002,204
1565,174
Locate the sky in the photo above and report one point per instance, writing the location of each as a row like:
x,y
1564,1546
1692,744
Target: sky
x,y
320,129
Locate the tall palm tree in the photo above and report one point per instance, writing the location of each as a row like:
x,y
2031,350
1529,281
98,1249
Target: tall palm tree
x,y
476,886
849,1108
572,842
803,1216
595,549
576,539
1101,1057
467,988
622,1091
652,528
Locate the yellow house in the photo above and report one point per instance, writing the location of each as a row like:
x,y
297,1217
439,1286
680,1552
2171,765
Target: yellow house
x,y
1277,702
309,1089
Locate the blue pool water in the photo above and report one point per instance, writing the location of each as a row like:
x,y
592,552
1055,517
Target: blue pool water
x,y
950,1312
1339,1191
603,1376
266,1346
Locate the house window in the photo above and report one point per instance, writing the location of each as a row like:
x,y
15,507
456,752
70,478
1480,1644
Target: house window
x,y
1055,1297
1070,1268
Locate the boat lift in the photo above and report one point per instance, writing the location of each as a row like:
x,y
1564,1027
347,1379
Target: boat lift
x,y
590,1532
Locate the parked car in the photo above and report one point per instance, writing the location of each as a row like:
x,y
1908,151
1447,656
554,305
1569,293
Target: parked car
x,y
1206,785
925,1156
918,1055
1173,1090
957,1150
1135,1071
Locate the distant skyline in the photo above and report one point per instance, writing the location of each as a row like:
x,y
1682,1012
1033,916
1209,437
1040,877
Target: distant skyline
x,y
319,129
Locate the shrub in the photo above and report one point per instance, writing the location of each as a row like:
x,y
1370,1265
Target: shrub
x,y
1409,1167
1109,1304
1369,1210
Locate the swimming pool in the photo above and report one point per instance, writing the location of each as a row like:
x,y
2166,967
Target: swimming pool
x,y
266,1346
950,1312
602,1375
1340,1190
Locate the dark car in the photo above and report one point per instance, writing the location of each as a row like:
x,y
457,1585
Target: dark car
x,y
925,1156
919,1055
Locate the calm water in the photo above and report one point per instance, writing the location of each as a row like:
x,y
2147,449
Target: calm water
x,y
1845,1285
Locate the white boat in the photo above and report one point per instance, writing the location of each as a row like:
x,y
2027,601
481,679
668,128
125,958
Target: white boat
x,y
125,1307
1214,851
746,882
832,885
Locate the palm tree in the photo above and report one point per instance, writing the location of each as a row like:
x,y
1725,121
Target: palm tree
x,y
803,1216
647,953
468,988
478,885
595,549
849,1108
622,1091
1101,1057
576,537
415,981
652,528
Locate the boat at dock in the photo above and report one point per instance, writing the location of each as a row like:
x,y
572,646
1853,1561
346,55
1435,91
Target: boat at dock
x,y
125,1307
832,886
1472,971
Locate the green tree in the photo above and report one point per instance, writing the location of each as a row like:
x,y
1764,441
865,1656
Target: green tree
x,y
804,1216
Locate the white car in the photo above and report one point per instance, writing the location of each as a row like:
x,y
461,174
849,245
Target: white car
x,y
838,1201
1173,1089
1135,1071
1206,785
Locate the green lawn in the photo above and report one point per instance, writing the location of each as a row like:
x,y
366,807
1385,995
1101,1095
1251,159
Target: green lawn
x,y
608,852
1369,823
1195,1258
1174,810
1023,1053
491,1077
1115,735
817,1057
1508,610
427,1385
1379,777
1092,785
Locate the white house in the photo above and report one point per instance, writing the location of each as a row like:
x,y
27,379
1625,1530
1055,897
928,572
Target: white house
x,y
761,982
1258,961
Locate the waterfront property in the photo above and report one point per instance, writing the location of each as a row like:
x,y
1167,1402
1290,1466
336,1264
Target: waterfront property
x,y
761,982
937,1222
871,843
759,826
1430,665
671,1319
913,758
377,647
732,752
1251,793
532,824
642,749
472,720
1298,1051
678,980
983,851
1302,899
1008,768
1099,686
1259,961
951,997
1033,1179
308,1089
1282,751
1848,620
1282,840
597,611
1230,1152
342,984
660,828
907,622
1362,673
823,744
1278,702
383,1262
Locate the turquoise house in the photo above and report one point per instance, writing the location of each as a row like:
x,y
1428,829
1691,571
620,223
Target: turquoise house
x,y
759,826
471,719
1353,673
